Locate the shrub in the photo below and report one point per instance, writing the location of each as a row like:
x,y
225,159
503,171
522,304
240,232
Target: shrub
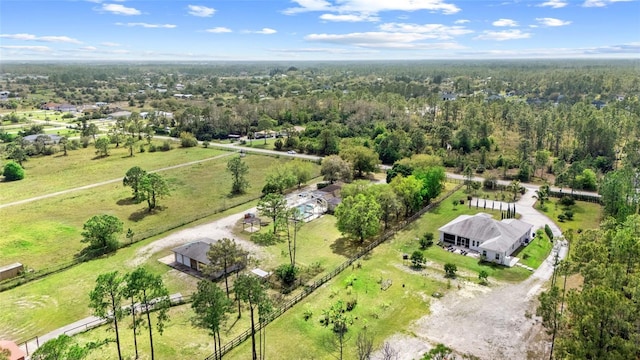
x,y
286,273
426,240
351,304
187,140
152,148
142,148
567,201
568,214
417,259
450,270
548,231
13,171
85,141
264,239
205,144
561,218
166,145
308,313
490,183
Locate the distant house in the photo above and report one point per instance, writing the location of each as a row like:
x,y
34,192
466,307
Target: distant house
x,y
66,108
194,256
599,104
49,106
494,240
4,95
101,104
448,97
15,353
52,139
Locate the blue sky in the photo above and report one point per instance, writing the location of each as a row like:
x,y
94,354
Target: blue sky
x,y
317,29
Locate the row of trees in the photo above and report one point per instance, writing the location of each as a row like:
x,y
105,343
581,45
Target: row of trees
x,y
142,292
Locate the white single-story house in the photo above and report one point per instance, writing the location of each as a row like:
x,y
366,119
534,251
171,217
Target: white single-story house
x,y
494,240
194,256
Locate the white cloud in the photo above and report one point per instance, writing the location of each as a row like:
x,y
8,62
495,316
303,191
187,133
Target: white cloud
x,y
505,22
147,25
383,39
556,4
120,9
265,31
201,11
431,31
31,37
503,35
218,30
552,22
110,44
600,3
371,6
349,17
461,21
325,51
89,48
26,47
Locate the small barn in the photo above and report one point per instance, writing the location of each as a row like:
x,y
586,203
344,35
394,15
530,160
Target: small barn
x,y
11,271
194,256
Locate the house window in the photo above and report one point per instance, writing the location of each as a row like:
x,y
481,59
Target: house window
x,y
497,256
484,253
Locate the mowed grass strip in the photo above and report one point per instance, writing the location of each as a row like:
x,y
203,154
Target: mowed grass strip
x,y
48,232
49,174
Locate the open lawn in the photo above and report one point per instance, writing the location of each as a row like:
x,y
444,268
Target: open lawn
x,y
55,224
319,241
48,174
536,252
586,215
260,143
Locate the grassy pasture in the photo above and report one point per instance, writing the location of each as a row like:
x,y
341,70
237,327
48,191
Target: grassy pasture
x,y
53,234
59,299
48,174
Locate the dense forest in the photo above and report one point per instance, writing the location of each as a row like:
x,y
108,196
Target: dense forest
x,y
566,122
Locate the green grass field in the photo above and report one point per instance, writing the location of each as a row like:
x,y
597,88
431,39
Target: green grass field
x,y
586,215
536,252
48,174
53,234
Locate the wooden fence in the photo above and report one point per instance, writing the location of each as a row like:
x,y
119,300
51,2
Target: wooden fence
x,y
310,288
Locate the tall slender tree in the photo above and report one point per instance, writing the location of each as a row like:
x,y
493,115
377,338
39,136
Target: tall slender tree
x,y
152,295
223,255
252,291
105,300
211,308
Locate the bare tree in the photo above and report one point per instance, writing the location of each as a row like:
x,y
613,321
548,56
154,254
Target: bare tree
x,y
364,345
388,352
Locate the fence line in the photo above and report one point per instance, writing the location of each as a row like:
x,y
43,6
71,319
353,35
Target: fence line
x,y
308,289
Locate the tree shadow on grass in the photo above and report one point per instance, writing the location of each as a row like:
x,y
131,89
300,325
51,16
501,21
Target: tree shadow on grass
x,y
127,201
143,213
347,247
